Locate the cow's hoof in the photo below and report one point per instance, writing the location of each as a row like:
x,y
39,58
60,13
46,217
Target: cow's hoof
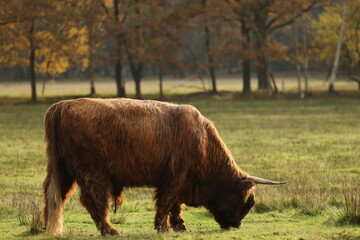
x,y
110,231
162,229
179,228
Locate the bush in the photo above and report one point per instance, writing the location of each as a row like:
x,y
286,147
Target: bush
x,y
349,211
30,216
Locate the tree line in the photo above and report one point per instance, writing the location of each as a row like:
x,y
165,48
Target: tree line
x,y
50,38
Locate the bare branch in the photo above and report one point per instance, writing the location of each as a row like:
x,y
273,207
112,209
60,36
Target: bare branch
x,y
290,21
102,4
14,20
271,22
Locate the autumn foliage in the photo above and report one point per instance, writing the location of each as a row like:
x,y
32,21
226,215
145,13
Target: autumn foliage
x,y
50,38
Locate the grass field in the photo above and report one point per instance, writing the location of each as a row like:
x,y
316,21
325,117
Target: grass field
x,y
106,86
314,144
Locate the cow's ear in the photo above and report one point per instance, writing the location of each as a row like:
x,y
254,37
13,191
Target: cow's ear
x,y
246,189
247,185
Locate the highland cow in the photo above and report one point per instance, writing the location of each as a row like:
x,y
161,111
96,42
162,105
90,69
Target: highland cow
x,y
104,145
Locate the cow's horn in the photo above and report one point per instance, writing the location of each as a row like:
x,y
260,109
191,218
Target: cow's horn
x,y
263,181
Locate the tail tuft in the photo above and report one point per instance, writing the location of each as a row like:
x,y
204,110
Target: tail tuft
x,y
52,197
54,209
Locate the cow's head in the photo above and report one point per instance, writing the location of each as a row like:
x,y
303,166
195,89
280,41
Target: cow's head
x,y
231,203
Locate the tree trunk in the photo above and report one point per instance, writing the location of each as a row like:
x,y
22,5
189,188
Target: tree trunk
x,y
119,81
262,72
91,63
245,31
211,65
274,82
138,88
45,77
296,43
90,29
136,72
261,44
32,63
91,77
120,84
161,84
211,61
136,65
306,58
338,50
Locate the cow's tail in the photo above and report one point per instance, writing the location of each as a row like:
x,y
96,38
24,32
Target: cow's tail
x,y
52,196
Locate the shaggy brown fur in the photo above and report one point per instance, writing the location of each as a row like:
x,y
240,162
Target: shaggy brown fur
x,y
104,145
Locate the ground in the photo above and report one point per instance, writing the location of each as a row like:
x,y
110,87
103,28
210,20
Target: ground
x,y
314,144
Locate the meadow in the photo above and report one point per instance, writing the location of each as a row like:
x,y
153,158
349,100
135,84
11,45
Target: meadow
x,y
172,86
314,144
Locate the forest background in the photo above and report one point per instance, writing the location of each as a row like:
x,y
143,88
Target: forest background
x,y
46,41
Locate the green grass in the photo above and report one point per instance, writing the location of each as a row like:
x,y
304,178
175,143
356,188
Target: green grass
x,y
313,144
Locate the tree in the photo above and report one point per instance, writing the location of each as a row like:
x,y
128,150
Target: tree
x,y
264,17
151,24
210,57
213,33
66,43
305,54
23,30
270,16
46,38
164,40
301,51
242,12
327,31
297,54
116,20
133,26
28,31
90,18
338,49
135,43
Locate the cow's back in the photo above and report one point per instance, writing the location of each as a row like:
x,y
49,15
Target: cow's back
x,y
135,142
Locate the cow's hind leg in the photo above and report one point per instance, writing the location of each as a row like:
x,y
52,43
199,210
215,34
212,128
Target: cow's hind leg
x,y
176,220
94,197
117,197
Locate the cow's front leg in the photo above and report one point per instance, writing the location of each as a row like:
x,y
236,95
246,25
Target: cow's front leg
x,y
176,220
161,221
163,205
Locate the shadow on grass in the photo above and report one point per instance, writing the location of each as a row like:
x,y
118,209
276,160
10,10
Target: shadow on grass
x,y
30,233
